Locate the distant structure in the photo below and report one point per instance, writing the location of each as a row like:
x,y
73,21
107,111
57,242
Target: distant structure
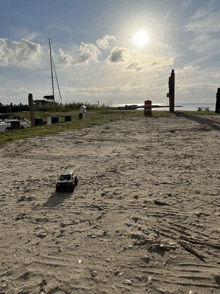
x,y
171,93
46,101
13,108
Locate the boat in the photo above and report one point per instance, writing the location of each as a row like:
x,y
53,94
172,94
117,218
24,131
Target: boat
x,y
50,99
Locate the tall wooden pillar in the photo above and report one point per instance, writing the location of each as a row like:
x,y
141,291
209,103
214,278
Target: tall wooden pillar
x,y
31,106
171,93
217,106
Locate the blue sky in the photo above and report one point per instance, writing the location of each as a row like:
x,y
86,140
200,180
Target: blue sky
x,y
114,52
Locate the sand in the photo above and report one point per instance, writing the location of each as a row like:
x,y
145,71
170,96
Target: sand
x,y
144,217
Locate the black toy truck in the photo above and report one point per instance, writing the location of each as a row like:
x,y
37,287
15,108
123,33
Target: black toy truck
x,y
67,182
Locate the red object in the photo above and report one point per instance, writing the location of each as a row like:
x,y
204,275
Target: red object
x,y
147,108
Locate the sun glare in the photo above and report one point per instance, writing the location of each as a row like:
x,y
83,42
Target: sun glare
x,y
141,38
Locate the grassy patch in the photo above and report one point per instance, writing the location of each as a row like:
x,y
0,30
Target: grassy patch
x,y
95,116
200,112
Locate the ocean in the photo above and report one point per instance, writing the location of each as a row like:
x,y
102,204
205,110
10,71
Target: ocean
x,y
195,106
185,106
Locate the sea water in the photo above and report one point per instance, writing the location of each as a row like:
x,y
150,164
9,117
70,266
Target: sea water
x,y
185,106
195,106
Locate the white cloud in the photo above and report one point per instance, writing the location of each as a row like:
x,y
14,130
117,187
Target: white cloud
x,y
106,42
24,33
186,69
205,24
157,63
5,52
119,55
139,62
135,65
150,63
87,53
24,53
32,36
204,21
65,58
204,42
27,51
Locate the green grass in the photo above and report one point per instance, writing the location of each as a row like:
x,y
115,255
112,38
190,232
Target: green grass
x,y
95,116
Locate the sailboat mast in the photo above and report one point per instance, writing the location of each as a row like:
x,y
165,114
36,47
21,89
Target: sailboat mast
x,y
51,66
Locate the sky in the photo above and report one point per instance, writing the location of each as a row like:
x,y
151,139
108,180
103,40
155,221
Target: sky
x,y
110,52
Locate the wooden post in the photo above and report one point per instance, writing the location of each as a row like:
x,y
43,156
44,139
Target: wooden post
x,y
171,93
54,119
217,106
67,118
15,125
38,122
30,101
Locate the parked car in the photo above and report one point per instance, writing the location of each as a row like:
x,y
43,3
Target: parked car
x,y
6,124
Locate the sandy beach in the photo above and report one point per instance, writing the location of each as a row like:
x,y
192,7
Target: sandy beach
x,y
144,217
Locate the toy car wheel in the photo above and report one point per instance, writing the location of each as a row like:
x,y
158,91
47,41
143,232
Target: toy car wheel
x,y
76,181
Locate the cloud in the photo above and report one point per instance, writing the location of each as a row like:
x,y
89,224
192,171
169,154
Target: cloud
x,y
87,52
135,65
205,24
204,42
23,33
204,21
32,36
119,55
149,63
139,62
5,52
186,69
106,42
24,53
160,62
27,51
65,58
167,15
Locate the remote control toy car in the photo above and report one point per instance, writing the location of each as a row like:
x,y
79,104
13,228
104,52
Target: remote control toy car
x,y
67,182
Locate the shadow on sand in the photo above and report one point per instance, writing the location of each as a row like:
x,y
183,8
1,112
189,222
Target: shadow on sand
x,y
201,120
57,198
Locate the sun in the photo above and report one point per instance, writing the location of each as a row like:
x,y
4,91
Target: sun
x,y
141,38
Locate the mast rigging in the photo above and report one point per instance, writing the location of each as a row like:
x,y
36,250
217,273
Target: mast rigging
x,y
53,70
